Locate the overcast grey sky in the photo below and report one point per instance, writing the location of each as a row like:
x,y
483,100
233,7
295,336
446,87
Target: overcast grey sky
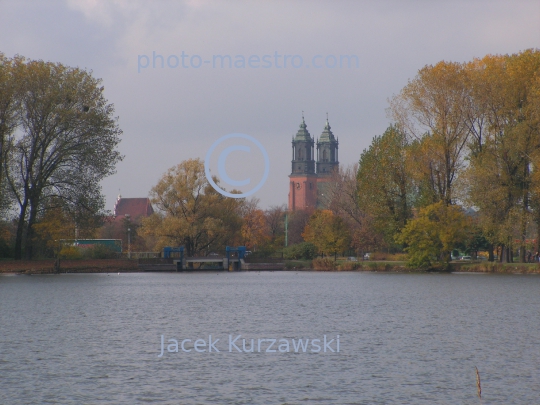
x,y
174,113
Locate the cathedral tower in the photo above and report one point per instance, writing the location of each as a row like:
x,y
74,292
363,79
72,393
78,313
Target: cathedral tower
x,y
309,179
303,179
327,152
327,162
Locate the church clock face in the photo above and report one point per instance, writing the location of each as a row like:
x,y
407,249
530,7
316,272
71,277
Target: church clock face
x,y
298,186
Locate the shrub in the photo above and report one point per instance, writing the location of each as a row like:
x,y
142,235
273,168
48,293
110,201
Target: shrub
x,y
421,260
304,250
378,256
373,266
399,257
324,264
289,265
70,253
296,265
5,249
347,266
264,251
99,252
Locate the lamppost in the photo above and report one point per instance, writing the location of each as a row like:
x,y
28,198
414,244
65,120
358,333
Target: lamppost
x,y
128,223
286,230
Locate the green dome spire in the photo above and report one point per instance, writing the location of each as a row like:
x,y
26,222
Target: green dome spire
x,y
327,135
303,134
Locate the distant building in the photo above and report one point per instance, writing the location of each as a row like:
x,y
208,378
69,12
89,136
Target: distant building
x,y
123,225
134,208
308,176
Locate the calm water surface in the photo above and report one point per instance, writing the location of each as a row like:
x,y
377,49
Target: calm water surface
x,y
404,339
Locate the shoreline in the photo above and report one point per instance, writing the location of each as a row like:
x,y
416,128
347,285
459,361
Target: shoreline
x,y
37,267
46,266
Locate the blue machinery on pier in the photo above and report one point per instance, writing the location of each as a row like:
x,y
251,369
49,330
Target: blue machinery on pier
x,y
235,258
168,252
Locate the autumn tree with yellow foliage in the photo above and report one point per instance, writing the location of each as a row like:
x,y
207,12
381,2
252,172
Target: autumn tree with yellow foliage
x,y
503,161
255,230
191,213
55,228
431,236
431,109
328,232
59,226
472,139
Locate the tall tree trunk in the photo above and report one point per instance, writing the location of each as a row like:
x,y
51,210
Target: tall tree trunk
x,y
507,254
29,248
57,265
537,249
490,252
523,224
20,231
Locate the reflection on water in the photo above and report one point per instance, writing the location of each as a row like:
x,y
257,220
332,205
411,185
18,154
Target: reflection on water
x,y
404,339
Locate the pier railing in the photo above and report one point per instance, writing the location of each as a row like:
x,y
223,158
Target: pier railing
x,y
140,255
250,259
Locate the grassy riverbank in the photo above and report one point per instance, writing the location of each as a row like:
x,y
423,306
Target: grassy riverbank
x,y
487,267
329,264
401,267
130,266
46,266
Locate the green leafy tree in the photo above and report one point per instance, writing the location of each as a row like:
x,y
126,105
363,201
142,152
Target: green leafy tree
x,y
9,101
477,242
384,186
66,144
431,236
304,250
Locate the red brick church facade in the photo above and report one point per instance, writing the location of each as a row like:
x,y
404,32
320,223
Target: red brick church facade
x,y
309,175
133,208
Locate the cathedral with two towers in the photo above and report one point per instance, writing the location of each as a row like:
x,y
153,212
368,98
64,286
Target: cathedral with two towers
x,y
309,176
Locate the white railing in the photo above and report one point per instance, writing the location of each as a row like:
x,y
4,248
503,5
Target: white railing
x,y
140,255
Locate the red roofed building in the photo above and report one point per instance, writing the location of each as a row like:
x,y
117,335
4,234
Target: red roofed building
x,y
127,217
135,208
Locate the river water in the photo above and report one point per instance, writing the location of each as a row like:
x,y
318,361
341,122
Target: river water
x,y
403,338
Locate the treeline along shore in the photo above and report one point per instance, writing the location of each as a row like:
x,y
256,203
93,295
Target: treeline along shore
x,y
455,174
